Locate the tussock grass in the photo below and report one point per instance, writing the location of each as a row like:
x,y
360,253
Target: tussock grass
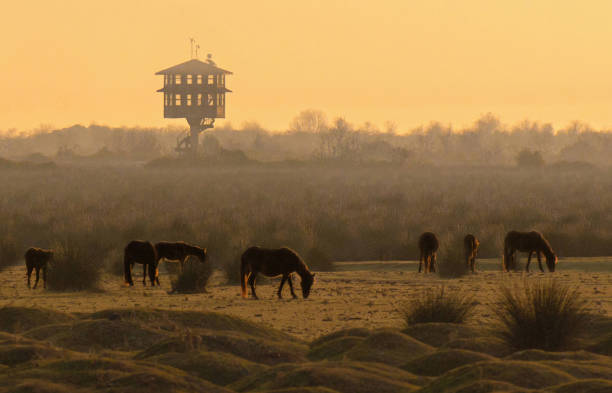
x,y
544,315
193,278
438,305
8,252
451,259
74,267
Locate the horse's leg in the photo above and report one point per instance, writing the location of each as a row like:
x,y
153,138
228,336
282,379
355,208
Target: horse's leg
x,y
30,268
540,261
144,274
291,286
37,276
280,288
44,269
252,283
528,261
434,259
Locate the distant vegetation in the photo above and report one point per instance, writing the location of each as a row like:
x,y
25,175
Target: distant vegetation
x,y
330,190
312,137
324,213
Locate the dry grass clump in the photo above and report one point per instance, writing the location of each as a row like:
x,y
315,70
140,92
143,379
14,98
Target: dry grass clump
x,y
545,315
438,305
8,252
74,267
193,278
451,259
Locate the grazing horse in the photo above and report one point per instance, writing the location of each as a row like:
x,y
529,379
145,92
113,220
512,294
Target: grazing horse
x,y
527,242
273,262
37,258
428,245
138,251
470,247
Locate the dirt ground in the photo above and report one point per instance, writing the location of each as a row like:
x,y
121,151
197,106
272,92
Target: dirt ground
x,y
349,298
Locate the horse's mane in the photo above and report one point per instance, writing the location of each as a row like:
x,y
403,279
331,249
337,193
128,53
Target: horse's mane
x,y
302,267
546,248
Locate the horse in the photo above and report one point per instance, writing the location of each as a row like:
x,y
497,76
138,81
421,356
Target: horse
x,y
273,262
37,258
178,251
428,245
531,242
138,251
470,247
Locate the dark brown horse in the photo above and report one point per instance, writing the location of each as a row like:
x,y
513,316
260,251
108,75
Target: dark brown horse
x,y
273,262
428,245
37,258
470,247
143,252
531,242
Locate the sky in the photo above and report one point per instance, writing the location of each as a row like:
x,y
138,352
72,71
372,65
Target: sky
x,y
409,62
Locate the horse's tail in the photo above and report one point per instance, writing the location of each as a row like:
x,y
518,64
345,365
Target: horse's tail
x,y
244,272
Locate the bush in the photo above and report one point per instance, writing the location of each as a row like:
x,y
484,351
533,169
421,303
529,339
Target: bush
x,y
438,305
318,260
193,278
545,315
74,268
451,259
8,252
529,159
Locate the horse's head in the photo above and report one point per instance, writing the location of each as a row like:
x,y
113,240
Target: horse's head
x,y
551,262
202,255
307,281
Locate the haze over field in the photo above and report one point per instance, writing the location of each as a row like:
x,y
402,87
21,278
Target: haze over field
x,y
409,62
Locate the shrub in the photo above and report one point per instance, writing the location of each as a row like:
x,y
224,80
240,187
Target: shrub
x,y
529,158
8,252
193,278
438,305
74,268
451,259
544,315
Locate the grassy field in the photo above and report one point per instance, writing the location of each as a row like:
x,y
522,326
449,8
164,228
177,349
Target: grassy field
x,y
349,336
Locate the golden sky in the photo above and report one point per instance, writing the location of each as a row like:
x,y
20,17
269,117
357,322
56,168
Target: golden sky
x,y
410,62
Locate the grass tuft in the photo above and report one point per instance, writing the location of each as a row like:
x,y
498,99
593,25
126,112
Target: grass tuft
x,y
193,278
74,268
451,259
8,252
544,315
438,305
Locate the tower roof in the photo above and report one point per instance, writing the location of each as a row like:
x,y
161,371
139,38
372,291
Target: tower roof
x,y
193,66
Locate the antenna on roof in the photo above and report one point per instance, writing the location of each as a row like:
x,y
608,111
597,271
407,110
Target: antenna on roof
x,y
197,48
191,42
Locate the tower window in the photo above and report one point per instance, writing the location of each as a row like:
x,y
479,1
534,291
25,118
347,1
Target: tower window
x,y
211,80
211,100
177,79
200,99
189,79
199,79
188,99
166,99
177,99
